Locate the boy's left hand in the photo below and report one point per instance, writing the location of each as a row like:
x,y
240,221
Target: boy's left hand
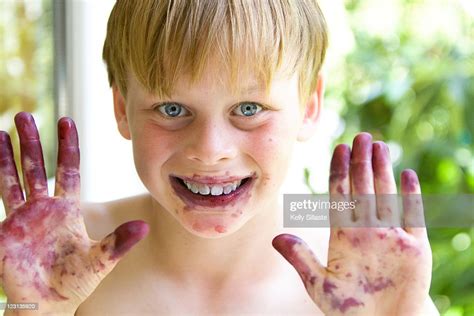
x,y
378,263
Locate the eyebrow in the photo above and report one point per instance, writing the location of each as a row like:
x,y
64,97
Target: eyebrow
x,y
253,88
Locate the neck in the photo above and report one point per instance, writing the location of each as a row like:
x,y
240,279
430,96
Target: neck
x,y
191,258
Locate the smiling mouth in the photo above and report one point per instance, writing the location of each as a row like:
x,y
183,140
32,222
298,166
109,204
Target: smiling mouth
x,y
212,194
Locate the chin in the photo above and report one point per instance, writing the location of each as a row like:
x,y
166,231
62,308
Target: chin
x,y
212,226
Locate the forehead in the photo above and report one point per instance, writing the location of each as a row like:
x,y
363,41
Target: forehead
x,y
217,81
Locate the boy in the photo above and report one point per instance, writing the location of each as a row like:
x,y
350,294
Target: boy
x,y
213,95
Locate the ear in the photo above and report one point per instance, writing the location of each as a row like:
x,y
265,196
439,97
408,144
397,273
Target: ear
x,y
312,111
120,113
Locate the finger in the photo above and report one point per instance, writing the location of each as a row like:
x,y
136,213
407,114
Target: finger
x,y
339,185
413,217
300,256
32,161
385,185
10,187
68,181
114,246
362,179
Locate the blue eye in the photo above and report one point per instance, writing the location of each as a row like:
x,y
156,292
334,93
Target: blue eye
x,y
172,109
247,109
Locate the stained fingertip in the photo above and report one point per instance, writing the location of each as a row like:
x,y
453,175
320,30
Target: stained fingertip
x,y
380,150
26,126
381,164
6,150
286,245
67,131
340,163
4,137
409,182
361,147
127,235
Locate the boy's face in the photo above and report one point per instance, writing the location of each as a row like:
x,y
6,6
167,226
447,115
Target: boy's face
x,y
206,139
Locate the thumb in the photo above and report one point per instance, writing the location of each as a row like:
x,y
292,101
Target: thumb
x,y
300,256
114,246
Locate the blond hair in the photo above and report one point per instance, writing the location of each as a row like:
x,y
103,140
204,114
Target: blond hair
x,y
159,40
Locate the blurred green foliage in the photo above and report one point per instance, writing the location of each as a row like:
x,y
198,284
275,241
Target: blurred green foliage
x,y
409,80
26,70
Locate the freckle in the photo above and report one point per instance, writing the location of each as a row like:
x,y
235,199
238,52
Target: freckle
x,y
103,248
337,267
270,140
367,268
348,274
74,273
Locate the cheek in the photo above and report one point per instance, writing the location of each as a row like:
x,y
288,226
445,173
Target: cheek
x,y
271,148
150,151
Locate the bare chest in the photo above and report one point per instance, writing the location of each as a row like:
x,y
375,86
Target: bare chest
x,y
122,296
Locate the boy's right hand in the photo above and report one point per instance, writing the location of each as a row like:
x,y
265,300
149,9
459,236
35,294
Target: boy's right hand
x,y
46,256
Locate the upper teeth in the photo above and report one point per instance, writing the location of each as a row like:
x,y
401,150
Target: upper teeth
x,y
216,189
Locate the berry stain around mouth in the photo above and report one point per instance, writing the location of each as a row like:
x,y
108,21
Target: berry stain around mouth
x,y
194,200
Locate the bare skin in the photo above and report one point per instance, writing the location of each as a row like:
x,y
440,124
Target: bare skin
x,y
157,277
47,256
382,267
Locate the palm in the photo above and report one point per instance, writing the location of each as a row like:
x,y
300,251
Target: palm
x,y
378,263
46,253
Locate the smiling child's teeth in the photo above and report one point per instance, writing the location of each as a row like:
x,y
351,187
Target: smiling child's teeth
x,y
204,189
228,189
216,190
194,188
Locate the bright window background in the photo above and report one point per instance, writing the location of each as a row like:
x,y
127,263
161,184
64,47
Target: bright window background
x,y
26,68
400,69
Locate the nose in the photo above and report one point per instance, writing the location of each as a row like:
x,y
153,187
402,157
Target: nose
x,y
211,143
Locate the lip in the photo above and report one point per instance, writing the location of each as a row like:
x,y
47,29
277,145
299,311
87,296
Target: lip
x,y
193,200
211,180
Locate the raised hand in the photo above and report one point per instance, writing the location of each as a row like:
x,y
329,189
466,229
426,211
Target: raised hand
x,y
379,263
46,254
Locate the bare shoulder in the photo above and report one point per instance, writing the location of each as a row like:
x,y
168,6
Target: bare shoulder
x,y
102,218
